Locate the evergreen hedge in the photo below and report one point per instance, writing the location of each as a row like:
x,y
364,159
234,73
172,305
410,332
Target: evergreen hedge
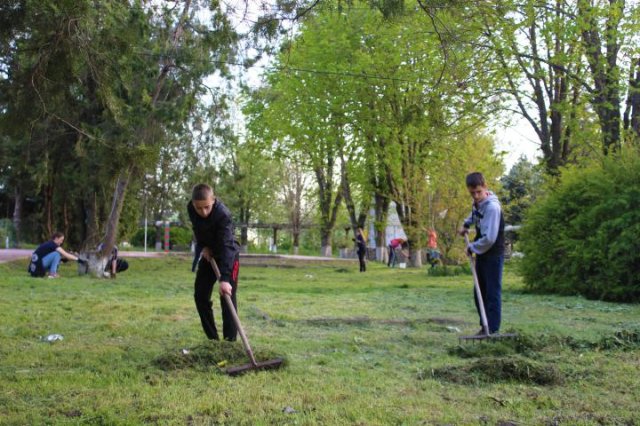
x,y
583,236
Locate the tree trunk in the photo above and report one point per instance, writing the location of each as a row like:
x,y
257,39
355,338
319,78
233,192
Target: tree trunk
x,y
415,257
66,225
357,220
245,216
328,209
296,242
325,241
91,221
412,228
48,208
604,69
17,215
380,226
632,111
244,239
96,264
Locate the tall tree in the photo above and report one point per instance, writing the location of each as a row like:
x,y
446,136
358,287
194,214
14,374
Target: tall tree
x,y
538,54
99,88
248,181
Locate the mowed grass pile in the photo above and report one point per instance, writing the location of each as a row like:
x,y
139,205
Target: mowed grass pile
x,y
374,348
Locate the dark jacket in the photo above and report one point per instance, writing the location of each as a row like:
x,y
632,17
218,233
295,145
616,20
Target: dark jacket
x,y
216,232
36,268
362,244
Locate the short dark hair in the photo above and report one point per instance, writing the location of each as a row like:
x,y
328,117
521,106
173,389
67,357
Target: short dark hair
x,y
475,179
201,191
56,235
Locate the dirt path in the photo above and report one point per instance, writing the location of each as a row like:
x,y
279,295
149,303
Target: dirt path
x,y
8,255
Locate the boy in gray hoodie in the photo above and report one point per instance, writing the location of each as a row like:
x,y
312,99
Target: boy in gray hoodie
x,y
488,246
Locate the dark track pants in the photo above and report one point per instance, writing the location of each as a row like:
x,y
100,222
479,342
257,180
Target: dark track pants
x,y
205,279
489,270
363,265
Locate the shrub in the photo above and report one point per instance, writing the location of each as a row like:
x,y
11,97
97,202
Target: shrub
x,y
582,237
138,238
180,236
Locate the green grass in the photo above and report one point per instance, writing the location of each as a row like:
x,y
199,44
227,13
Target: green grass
x,y
373,348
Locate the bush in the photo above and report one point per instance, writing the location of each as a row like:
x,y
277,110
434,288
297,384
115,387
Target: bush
x,y
180,236
138,238
582,237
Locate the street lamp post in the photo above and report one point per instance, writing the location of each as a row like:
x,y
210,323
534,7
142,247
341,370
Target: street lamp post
x,y
146,178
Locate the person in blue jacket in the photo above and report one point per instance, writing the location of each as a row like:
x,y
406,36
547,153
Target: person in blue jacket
x,y
213,230
488,247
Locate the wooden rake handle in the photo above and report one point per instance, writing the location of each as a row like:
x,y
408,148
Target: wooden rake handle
x,y
476,285
234,314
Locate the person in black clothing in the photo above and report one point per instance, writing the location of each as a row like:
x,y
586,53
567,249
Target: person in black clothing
x,y
213,231
48,256
362,249
115,264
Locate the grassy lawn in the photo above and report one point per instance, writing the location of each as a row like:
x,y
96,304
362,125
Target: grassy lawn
x,y
373,348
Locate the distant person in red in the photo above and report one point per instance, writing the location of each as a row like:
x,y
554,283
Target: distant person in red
x,y
433,254
393,245
433,239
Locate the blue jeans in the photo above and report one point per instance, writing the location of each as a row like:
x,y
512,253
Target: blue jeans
x,y
489,270
392,257
51,262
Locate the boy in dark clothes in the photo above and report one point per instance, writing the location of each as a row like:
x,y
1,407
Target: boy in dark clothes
x,y
213,230
488,246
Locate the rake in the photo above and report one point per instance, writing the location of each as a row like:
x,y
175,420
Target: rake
x,y
484,334
253,365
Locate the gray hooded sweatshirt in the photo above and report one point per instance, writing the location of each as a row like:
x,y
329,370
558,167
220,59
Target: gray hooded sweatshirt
x,y
487,216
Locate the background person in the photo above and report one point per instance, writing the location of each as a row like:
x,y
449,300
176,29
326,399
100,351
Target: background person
x,y
393,245
114,265
361,244
433,254
47,257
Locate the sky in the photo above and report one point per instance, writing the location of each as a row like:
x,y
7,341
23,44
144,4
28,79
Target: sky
x,y
517,140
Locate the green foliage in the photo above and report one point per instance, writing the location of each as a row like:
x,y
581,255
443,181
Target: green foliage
x,y
180,236
520,187
137,240
92,91
582,237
